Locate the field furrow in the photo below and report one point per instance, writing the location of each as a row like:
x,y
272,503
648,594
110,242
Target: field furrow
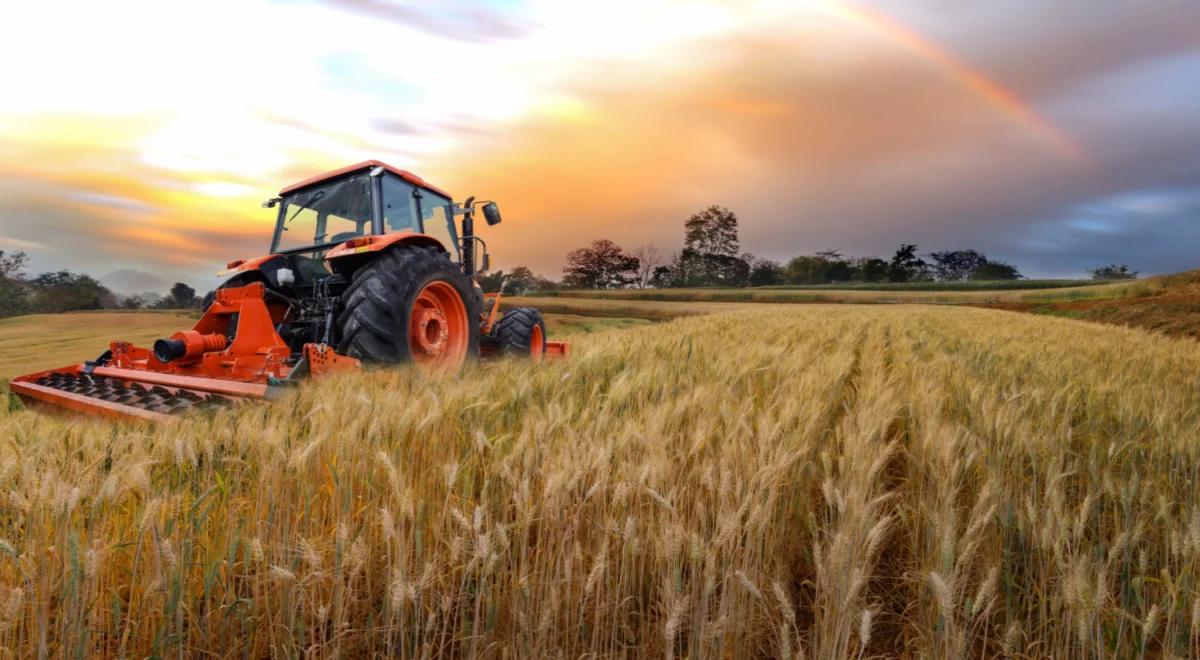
x,y
837,481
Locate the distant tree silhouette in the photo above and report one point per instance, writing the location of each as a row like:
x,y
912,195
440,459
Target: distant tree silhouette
x,y
601,265
710,251
764,272
181,296
996,270
64,291
906,266
1114,272
956,265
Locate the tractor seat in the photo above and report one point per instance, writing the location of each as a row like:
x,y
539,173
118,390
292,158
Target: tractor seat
x,y
308,269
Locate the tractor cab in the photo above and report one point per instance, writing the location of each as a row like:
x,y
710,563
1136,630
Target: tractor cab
x,y
371,199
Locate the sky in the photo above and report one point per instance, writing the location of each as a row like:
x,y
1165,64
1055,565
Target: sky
x,y
1059,136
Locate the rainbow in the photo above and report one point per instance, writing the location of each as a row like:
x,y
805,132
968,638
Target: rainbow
x,y
990,91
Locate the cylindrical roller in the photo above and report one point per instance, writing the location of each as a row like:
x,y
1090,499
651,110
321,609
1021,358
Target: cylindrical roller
x,y
187,345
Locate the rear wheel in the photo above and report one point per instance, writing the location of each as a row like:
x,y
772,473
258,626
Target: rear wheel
x,y
521,331
410,303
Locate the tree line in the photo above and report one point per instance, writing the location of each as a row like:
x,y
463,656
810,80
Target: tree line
x,y
65,291
711,257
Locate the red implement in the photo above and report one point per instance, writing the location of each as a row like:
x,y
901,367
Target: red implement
x,y
233,353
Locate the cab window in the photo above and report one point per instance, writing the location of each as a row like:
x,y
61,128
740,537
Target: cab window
x,y
399,205
437,217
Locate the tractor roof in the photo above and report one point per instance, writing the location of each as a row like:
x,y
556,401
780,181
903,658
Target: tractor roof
x,y
365,165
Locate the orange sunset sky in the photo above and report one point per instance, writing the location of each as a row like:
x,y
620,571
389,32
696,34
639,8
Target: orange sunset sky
x,y
1058,135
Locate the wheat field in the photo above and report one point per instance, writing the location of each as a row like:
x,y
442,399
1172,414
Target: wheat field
x,y
818,482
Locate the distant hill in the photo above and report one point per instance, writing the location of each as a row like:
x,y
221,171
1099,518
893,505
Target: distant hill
x,y
128,282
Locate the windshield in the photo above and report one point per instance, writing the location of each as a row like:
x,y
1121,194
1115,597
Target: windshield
x,y
330,213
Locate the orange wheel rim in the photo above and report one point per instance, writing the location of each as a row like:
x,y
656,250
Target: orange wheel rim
x,y
537,343
438,333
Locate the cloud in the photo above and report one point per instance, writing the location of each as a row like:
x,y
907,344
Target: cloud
x,y
129,281
823,124
828,139
467,21
1143,230
132,206
22,245
395,127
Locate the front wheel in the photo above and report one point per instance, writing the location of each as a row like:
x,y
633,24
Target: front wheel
x,y
521,331
410,303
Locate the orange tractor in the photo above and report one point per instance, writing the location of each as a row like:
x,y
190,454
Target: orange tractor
x,y
366,266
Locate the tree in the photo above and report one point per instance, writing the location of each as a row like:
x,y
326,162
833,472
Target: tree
x,y
713,231
764,272
870,269
906,266
664,276
996,270
957,265
64,291
12,267
649,260
133,302
602,265
821,268
181,296
491,282
837,269
516,282
14,297
710,253
522,280
805,269
1114,272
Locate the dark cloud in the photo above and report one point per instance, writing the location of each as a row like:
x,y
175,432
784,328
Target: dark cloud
x,y
465,21
1144,230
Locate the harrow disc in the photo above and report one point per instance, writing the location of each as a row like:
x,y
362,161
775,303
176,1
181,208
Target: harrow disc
x,y
154,398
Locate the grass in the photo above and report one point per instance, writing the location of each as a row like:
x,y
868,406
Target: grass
x,y
42,341
935,292
841,481
972,285
616,309
568,325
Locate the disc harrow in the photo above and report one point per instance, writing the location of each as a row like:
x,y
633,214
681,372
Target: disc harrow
x,y
154,398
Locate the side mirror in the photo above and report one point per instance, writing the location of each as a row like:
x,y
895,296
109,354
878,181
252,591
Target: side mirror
x,y
491,213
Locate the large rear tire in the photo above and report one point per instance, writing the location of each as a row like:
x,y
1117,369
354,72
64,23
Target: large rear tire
x,y
410,303
521,332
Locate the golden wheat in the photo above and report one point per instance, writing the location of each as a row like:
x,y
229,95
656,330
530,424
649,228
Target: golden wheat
x,y
810,482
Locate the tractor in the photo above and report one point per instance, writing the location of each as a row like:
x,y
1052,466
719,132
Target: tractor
x,y
366,266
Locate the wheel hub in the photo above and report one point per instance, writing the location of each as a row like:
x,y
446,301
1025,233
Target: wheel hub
x,y
431,331
439,331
